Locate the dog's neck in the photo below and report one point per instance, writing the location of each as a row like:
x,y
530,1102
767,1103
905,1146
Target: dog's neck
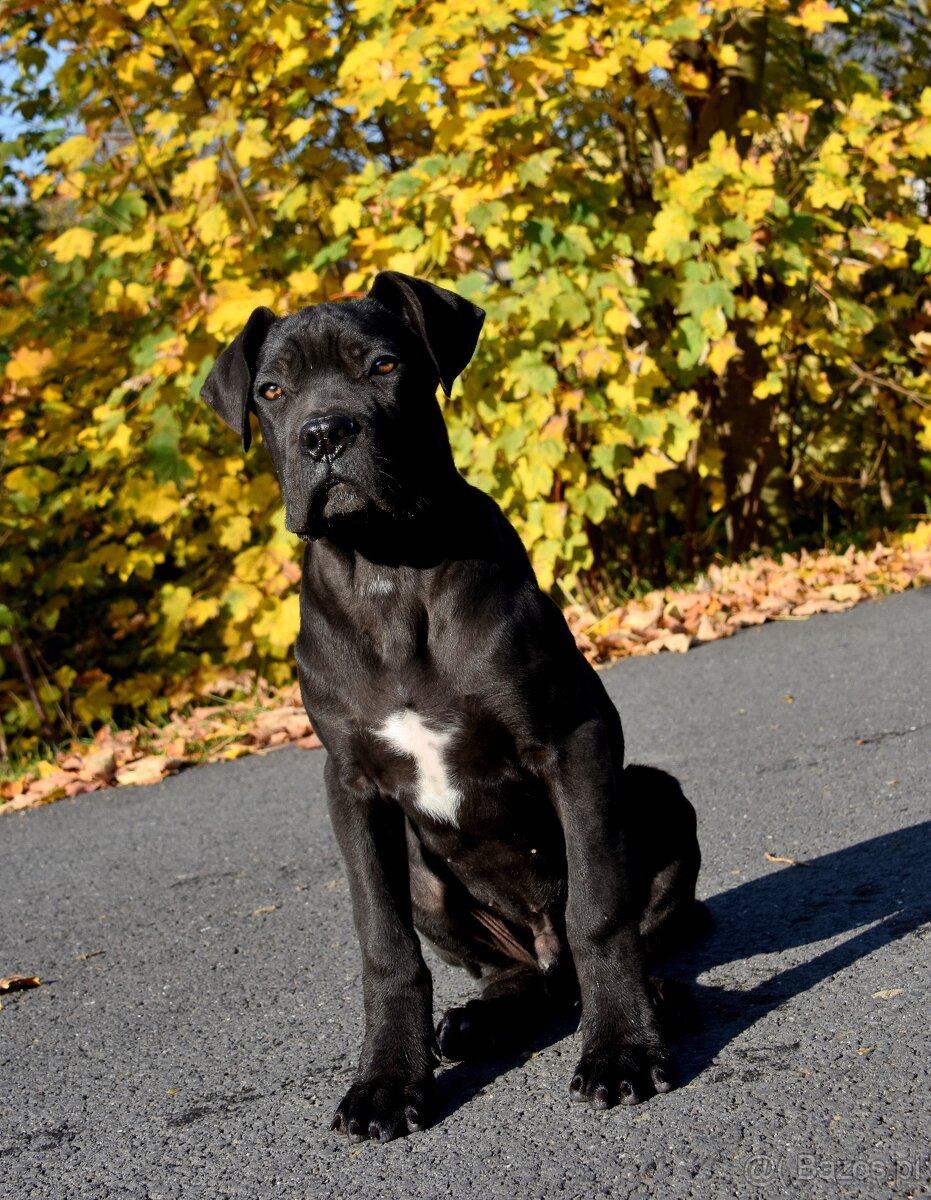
x,y
450,525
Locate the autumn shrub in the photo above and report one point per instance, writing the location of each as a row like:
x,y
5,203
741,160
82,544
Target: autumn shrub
x,y
700,233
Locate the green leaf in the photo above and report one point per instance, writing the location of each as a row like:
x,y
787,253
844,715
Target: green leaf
x,y
163,450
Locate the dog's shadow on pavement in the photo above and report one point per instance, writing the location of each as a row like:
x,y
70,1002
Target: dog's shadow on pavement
x,y
878,891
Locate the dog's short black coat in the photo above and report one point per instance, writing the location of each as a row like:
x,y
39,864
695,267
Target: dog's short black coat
x,y
474,770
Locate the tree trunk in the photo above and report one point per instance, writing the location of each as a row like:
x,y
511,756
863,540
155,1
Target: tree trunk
x,y
755,479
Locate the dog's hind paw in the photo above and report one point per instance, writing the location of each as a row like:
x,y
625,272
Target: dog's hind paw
x,y
465,1033
384,1108
626,1074
483,1029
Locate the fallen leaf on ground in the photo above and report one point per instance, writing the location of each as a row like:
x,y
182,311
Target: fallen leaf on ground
x,y
730,597
789,862
887,993
820,605
150,769
99,766
19,983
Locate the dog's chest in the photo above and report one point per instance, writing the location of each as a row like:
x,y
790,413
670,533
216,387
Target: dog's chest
x,y
441,758
428,747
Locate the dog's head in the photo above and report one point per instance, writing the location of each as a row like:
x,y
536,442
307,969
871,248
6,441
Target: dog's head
x,y
345,395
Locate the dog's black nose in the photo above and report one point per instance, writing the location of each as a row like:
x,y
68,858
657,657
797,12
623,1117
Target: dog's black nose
x,y
326,436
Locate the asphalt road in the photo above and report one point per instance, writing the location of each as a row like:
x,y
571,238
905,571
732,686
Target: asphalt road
x,y
201,1007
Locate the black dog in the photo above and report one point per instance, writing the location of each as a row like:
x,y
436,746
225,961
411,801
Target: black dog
x,y
475,769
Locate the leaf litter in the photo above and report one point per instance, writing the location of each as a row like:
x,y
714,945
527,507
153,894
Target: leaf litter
x,y
719,603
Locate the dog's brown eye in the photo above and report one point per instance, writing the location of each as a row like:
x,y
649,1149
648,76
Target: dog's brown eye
x,y
384,365
272,391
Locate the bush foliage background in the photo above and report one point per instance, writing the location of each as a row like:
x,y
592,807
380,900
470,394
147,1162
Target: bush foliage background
x,y
701,234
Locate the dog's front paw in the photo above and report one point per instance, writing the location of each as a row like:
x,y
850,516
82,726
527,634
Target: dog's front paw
x,y
384,1108
624,1073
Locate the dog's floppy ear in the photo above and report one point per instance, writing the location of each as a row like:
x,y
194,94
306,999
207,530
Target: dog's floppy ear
x,y
447,325
228,388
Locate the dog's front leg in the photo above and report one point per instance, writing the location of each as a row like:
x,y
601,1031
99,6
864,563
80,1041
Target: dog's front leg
x,y
624,1057
393,1089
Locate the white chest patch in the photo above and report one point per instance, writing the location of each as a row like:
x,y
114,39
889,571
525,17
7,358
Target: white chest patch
x,y
377,586
407,733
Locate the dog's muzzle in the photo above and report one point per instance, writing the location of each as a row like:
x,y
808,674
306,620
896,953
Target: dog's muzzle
x,y
317,490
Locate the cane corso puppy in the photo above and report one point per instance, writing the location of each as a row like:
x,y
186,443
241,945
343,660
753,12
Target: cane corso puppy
x,y
475,764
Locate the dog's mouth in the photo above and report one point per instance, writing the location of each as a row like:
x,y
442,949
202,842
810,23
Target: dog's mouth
x,y
334,499
331,501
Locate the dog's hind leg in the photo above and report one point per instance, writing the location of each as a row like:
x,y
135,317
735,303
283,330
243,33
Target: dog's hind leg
x,y
444,916
666,858
517,1003
673,918
516,999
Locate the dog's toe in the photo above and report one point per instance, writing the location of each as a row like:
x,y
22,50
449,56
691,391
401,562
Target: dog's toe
x,y
628,1074
457,1035
384,1108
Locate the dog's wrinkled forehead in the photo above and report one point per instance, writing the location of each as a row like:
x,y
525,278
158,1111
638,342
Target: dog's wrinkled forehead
x,y
338,337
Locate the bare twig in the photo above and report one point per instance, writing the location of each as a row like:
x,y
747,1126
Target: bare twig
x,y
878,381
25,670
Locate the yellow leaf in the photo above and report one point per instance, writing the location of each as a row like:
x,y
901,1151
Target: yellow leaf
x,y
234,301
40,185
770,385
280,624
720,354
671,230
653,54
139,295
73,243
30,482
75,150
213,226
242,600
201,611
120,244
825,192
174,607
252,144
235,533
595,74
138,9
176,273
815,15
27,363
920,537
645,470
199,175
460,71
121,441
303,283
619,319
297,129
345,215
291,60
